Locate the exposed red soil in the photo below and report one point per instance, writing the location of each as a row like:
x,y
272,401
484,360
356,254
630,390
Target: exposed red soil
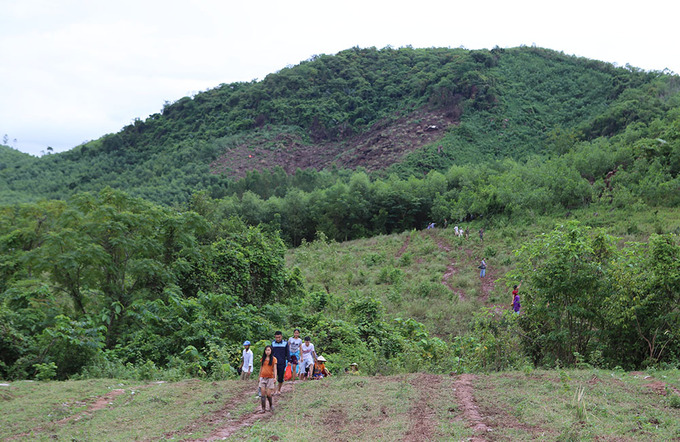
x,y
661,388
484,418
463,390
384,144
422,425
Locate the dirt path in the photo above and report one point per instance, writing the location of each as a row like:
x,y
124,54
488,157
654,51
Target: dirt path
x,y
423,421
451,269
96,404
404,247
224,420
463,389
485,418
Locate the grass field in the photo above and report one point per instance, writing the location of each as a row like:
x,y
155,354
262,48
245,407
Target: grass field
x,y
536,405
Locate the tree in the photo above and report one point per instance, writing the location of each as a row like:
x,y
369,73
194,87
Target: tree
x,y
564,275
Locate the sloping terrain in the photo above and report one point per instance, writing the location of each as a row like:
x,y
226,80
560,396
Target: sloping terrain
x,y
384,144
359,108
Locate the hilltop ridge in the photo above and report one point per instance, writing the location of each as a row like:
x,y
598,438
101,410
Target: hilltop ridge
x,y
359,108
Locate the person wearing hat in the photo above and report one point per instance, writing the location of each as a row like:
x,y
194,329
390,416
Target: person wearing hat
x,y
354,368
320,370
247,358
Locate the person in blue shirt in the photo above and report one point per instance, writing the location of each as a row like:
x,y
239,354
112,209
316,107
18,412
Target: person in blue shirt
x,y
281,353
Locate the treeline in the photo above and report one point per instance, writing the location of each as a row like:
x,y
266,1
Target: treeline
x,y
638,167
110,285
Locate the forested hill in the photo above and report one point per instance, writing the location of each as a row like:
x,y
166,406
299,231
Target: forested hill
x,y
403,110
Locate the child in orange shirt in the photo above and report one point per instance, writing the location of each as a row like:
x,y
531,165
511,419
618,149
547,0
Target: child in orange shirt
x,y
267,378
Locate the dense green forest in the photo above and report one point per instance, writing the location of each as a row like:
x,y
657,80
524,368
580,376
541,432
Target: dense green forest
x,y
126,255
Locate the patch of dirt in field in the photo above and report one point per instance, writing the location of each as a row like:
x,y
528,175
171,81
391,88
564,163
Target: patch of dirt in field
x,y
226,421
661,388
335,418
423,422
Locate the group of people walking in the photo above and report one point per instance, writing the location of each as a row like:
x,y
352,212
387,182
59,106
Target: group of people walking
x,y
295,354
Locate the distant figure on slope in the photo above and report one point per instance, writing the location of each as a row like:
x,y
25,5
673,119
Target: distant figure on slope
x,y
467,233
515,298
482,268
455,230
481,234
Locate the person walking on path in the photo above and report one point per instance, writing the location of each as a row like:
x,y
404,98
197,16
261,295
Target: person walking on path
x,y
482,268
268,374
515,298
294,343
280,352
308,358
247,358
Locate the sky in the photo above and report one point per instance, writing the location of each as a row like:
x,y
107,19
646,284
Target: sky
x,y
72,70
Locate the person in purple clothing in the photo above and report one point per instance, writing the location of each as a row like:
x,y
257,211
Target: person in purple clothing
x,y
515,298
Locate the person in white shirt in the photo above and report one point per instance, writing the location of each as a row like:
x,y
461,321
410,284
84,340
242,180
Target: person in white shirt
x,y
247,358
308,358
294,343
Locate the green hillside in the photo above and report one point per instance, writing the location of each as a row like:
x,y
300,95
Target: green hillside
x,y
333,110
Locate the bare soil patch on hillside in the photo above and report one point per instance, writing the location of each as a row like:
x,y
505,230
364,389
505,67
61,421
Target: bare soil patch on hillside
x,y
384,144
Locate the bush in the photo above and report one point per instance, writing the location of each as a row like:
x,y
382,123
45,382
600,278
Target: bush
x,y
45,372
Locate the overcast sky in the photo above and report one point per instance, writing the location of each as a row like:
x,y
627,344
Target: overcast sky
x,y
72,70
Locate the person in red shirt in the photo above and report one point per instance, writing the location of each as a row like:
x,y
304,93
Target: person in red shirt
x,y
267,378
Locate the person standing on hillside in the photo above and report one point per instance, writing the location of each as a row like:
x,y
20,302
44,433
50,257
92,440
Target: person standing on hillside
x,y
482,268
481,234
515,298
280,352
308,358
268,374
247,358
294,343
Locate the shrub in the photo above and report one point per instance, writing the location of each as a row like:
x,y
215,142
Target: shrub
x,y
45,372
